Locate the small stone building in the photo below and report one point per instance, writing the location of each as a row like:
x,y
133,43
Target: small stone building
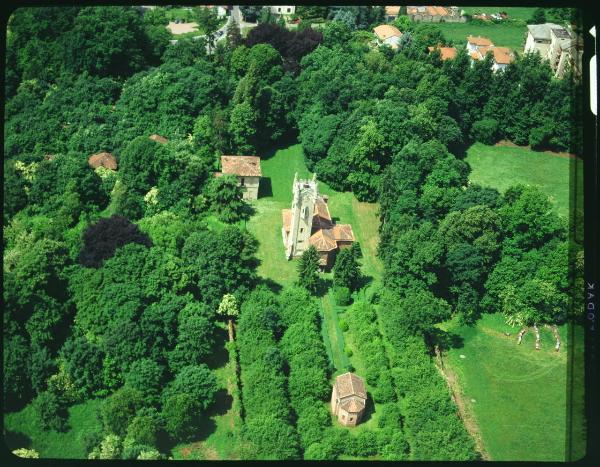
x,y
246,169
348,399
103,159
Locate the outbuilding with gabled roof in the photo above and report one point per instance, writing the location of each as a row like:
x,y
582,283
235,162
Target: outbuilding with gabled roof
x,y
349,399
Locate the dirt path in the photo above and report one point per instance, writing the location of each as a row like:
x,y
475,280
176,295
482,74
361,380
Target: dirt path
x,y
464,412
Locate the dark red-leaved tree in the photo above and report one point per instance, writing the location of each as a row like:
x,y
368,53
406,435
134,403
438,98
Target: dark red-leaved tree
x,y
102,239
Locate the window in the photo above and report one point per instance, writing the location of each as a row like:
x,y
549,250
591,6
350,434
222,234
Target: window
x,y
350,419
343,417
289,9
242,181
301,229
278,9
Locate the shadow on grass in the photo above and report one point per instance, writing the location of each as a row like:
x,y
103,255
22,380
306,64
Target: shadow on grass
x,y
323,287
223,402
265,189
16,440
219,356
275,287
369,409
445,340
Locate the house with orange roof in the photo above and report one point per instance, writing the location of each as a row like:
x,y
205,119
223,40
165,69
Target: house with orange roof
x,y
391,12
388,35
479,47
309,223
435,14
446,53
475,43
246,169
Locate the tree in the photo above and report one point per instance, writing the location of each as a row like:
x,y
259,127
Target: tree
x,y
226,198
346,271
234,37
182,416
308,268
105,41
119,409
102,239
51,411
209,23
146,376
83,362
538,16
198,381
229,309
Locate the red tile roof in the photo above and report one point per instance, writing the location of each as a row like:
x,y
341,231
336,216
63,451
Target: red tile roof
x,y
286,216
385,31
245,166
350,384
479,41
343,232
103,159
503,55
323,240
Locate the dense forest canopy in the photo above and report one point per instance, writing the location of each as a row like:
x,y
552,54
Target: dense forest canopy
x,y
113,278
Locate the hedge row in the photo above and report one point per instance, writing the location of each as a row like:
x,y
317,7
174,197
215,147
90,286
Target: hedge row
x,y
268,422
433,427
304,352
362,321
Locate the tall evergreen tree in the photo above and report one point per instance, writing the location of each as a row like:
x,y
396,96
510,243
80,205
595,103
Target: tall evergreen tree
x,y
308,268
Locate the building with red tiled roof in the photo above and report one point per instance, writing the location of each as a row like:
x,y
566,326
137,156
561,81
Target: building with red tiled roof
x,y
446,53
103,159
388,35
348,399
435,14
246,169
309,223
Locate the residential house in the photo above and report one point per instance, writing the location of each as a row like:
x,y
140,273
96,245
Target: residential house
x,y
285,10
309,223
246,169
478,47
558,45
348,399
391,12
388,35
435,14
446,53
103,159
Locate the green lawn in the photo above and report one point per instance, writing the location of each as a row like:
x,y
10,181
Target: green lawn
x,y
506,34
23,430
516,394
502,166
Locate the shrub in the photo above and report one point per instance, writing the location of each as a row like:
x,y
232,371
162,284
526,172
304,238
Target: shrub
x,y
343,325
348,352
485,131
342,295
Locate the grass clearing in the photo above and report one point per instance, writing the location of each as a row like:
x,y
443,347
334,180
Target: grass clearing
x,y
516,394
507,34
502,166
22,429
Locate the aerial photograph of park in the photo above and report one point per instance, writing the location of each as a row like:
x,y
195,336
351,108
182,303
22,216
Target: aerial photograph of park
x,y
293,232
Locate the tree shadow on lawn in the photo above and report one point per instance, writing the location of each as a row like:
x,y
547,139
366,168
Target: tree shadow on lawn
x,y
265,188
445,340
323,286
273,286
219,357
222,404
16,440
369,409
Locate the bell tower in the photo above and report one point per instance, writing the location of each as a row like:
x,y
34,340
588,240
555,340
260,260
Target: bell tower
x,y
303,207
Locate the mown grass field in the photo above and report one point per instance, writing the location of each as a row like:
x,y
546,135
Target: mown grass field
x,y
517,394
502,166
23,430
507,34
